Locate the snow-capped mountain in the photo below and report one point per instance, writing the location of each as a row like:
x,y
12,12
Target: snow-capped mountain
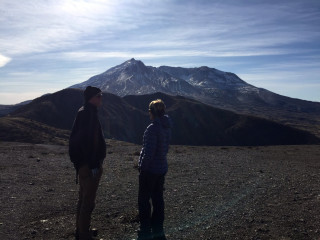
x,y
134,78
208,85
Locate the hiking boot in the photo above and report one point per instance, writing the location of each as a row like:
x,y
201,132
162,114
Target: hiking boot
x,y
144,235
91,235
94,232
76,234
159,237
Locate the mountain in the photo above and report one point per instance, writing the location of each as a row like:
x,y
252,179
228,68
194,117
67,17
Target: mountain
x,y
133,77
211,86
118,119
209,79
195,123
228,90
7,109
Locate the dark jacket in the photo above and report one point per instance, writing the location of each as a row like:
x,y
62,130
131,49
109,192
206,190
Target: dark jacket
x,y
87,144
153,156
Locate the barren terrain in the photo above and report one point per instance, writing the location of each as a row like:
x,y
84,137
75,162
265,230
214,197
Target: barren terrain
x,y
268,192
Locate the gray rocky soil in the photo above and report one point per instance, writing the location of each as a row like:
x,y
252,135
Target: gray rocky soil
x,y
268,192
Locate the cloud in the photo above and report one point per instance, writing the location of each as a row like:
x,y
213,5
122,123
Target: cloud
x,y
4,60
48,25
117,26
82,56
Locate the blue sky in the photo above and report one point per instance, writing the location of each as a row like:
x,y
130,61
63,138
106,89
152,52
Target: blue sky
x,y
48,45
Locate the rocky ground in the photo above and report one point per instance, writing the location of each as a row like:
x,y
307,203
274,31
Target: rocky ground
x,y
211,192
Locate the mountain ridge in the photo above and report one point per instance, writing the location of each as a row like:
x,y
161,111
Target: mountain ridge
x,y
195,123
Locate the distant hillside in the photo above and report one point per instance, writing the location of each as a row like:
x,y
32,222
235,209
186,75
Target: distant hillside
x,y
200,124
118,119
194,122
7,109
26,130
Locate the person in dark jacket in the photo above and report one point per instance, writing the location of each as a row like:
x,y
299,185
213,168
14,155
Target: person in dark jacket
x,y
87,150
153,167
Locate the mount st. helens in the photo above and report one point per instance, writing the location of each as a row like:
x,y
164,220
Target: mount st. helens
x,y
211,86
134,78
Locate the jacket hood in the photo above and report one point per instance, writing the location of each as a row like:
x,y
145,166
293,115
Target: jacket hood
x,y
165,121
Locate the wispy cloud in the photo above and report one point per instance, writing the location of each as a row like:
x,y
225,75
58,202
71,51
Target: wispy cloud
x,y
231,27
297,78
43,26
96,56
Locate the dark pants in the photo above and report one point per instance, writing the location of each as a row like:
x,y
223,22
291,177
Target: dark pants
x,y
151,187
86,203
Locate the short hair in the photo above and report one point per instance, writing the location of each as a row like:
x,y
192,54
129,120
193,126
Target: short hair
x,y
157,108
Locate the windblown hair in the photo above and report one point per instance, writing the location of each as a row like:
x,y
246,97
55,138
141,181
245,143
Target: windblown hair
x,y
157,108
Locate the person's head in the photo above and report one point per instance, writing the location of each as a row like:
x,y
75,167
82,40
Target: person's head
x,y
157,108
93,95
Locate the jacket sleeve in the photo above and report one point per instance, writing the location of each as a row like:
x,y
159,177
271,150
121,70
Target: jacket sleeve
x,y
74,141
78,142
149,146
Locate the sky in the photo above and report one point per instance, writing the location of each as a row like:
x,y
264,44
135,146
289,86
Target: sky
x,y
49,45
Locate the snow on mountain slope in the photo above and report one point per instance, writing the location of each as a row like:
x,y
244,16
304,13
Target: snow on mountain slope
x,y
133,77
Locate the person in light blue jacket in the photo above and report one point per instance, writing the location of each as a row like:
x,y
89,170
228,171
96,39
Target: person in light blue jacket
x,y
153,167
